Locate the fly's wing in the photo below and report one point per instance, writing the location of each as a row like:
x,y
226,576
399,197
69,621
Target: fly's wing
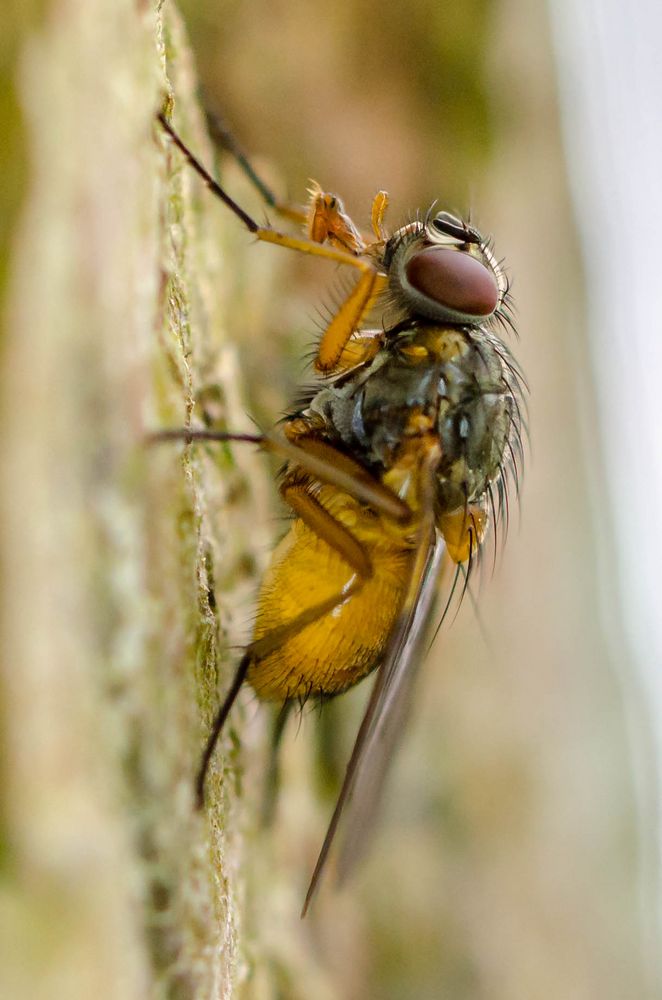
x,y
368,765
390,702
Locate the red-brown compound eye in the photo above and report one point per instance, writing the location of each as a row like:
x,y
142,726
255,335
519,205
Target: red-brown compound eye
x,y
454,279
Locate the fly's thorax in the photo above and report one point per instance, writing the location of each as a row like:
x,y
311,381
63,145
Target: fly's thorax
x,y
474,417
473,435
449,379
371,410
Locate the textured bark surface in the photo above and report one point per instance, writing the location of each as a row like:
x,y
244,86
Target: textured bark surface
x,y
120,600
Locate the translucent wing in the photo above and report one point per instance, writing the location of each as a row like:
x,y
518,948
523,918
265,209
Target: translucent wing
x,y
392,696
385,714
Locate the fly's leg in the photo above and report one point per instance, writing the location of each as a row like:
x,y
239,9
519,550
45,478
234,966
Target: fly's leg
x,y
319,459
463,531
264,233
325,218
217,726
379,206
329,222
334,467
254,653
349,317
360,349
339,538
272,778
371,283
342,541
226,140
316,517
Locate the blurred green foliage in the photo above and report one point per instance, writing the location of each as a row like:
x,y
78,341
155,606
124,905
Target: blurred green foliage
x,y
18,20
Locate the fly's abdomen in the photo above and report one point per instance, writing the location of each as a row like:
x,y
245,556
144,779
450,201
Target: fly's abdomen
x,y
344,644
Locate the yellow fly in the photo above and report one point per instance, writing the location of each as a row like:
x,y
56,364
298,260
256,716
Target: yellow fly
x,y
394,469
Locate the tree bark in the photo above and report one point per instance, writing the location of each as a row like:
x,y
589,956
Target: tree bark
x,y
121,597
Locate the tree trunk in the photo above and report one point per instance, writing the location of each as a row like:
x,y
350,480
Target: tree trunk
x,y
121,601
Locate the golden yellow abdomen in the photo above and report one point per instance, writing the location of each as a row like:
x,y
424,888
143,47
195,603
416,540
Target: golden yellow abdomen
x,y
344,645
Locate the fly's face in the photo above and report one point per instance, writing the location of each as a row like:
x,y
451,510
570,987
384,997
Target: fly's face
x,y
443,270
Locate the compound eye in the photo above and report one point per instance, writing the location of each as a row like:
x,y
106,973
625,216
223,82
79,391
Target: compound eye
x,y
448,225
454,279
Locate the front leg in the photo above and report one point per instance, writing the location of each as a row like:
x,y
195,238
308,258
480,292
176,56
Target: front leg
x,y
349,317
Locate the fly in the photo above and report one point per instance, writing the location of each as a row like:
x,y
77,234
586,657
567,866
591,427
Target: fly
x,y
394,467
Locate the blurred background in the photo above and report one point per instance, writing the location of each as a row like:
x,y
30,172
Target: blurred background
x,y
519,851
518,857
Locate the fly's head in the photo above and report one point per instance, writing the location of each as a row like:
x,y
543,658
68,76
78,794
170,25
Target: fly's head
x,y
442,269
